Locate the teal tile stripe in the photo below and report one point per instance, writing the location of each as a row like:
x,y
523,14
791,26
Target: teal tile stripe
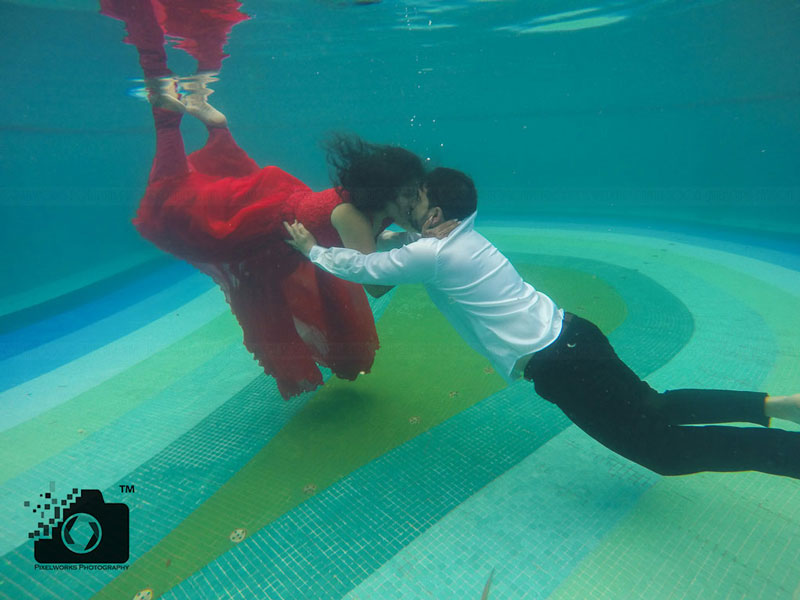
x,y
532,526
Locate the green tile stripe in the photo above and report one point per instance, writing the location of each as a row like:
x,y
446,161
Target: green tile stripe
x,y
67,424
652,339
579,286
342,427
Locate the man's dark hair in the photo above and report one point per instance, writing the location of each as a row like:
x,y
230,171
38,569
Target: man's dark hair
x,y
371,174
452,191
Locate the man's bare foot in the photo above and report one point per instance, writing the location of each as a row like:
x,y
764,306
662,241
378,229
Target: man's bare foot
x,y
783,407
163,93
196,100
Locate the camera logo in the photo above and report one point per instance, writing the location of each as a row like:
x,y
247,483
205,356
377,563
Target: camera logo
x,y
86,530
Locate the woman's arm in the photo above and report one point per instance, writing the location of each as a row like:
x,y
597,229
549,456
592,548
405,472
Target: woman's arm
x,y
355,231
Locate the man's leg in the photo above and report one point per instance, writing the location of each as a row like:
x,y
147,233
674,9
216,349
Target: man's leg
x,y
582,374
693,406
783,407
681,449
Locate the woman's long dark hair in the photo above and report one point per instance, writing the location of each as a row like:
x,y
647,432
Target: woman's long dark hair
x,y
371,174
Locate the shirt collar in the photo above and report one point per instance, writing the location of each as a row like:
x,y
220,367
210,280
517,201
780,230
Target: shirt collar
x,y
466,225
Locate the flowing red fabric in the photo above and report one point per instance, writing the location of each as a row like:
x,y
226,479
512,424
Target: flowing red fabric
x,y
226,216
218,210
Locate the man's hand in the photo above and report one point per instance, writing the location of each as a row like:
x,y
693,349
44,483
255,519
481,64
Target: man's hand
x,y
442,230
302,239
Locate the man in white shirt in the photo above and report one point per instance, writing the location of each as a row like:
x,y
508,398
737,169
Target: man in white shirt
x,y
569,360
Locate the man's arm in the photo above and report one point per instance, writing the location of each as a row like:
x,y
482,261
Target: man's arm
x,y
413,263
355,231
388,240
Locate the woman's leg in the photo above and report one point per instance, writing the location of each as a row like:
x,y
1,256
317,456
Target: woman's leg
x,y
582,374
170,159
196,100
202,27
146,34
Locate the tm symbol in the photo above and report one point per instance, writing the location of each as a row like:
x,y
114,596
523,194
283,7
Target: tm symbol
x,y
126,489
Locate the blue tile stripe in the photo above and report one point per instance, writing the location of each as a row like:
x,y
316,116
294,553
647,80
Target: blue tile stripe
x,y
37,396
42,310
63,350
24,338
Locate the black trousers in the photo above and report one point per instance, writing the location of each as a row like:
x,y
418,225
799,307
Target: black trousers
x,y
582,375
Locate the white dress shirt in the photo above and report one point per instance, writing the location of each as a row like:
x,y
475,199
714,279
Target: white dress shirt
x,y
470,282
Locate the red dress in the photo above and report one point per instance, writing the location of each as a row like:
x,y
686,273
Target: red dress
x,y
226,217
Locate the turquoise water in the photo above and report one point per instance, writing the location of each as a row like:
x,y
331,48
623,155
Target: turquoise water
x,y
636,159
678,110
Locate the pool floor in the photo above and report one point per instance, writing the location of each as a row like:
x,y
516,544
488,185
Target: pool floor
x,y
419,480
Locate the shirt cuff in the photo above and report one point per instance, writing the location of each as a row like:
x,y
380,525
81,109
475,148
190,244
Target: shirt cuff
x,y
314,253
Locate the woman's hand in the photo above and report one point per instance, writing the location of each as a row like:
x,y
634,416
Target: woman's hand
x,y
302,239
442,230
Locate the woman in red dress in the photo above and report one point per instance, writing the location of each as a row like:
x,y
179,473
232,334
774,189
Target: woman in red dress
x,y
220,211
